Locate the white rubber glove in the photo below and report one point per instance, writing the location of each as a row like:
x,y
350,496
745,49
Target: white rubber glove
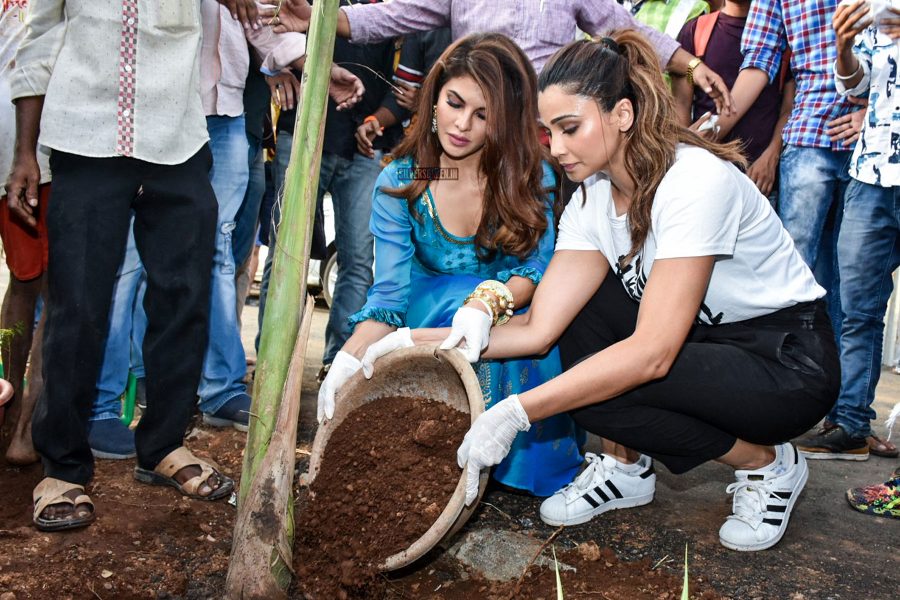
x,y
473,326
490,439
402,338
342,368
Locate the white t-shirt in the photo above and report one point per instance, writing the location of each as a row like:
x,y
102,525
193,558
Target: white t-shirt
x,y
704,206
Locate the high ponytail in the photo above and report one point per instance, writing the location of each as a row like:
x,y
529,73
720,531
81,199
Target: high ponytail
x,y
626,66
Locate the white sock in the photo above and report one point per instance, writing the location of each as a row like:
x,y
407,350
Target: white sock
x,y
779,465
633,468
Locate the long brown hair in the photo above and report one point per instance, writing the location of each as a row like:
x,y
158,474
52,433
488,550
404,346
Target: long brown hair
x,y
513,216
626,66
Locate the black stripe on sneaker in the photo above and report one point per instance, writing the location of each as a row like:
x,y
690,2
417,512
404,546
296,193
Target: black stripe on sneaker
x,y
647,473
613,489
590,500
774,508
601,493
775,522
784,495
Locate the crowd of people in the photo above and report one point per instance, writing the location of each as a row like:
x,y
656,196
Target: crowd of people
x,y
654,221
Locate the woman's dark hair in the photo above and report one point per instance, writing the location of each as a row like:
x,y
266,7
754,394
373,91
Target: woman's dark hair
x,y
626,66
513,218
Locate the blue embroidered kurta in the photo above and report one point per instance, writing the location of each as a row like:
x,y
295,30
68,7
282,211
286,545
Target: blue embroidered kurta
x,y
422,275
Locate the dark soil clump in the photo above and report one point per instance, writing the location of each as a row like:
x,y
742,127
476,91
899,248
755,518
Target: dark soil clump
x,y
388,473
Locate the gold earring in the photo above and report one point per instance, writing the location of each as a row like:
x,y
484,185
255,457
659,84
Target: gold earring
x,y
434,119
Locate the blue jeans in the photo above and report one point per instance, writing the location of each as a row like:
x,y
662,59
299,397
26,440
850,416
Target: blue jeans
x,y
127,324
225,365
351,184
812,184
868,252
247,218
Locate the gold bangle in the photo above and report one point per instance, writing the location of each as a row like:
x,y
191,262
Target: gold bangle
x,y
490,310
692,64
504,298
488,300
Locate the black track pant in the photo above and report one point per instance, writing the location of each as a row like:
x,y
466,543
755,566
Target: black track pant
x,y
87,224
764,381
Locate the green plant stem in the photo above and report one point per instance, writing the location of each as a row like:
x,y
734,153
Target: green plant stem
x,y
287,289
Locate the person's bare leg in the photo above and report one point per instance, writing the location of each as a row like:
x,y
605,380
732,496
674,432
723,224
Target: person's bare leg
x,y
746,456
620,452
21,449
17,315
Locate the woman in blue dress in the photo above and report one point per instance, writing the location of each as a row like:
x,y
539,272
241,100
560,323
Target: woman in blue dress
x,y
464,228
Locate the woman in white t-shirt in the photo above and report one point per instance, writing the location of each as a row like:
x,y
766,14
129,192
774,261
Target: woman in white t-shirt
x,y
689,327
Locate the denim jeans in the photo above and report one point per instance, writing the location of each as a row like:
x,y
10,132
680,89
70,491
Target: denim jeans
x,y
247,218
127,324
812,184
350,183
225,364
868,253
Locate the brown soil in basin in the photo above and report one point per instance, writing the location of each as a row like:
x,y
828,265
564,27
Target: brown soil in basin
x,y
387,474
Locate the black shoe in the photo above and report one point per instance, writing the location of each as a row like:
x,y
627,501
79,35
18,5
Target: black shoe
x,y
140,393
833,444
323,372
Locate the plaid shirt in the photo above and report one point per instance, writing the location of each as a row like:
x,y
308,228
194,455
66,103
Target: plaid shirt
x,y
805,27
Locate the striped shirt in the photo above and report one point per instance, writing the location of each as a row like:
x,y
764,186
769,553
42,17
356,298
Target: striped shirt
x,y
539,27
805,27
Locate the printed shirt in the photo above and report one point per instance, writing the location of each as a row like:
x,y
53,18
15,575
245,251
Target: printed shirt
x,y
669,16
539,27
876,157
805,27
120,77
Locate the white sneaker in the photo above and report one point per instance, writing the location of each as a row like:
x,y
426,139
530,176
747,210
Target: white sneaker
x,y
605,484
763,501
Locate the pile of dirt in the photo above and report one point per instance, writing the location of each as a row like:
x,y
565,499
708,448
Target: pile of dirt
x,y
147,541
387,474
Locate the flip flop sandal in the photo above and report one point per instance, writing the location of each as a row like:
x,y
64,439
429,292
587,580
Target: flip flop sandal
x,y
164,474
52,491
877,450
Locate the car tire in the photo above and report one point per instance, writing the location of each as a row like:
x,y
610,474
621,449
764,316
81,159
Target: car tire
x,y
328,276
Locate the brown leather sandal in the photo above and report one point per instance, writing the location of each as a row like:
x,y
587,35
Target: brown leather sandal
x,y
880,447
164,474
50,492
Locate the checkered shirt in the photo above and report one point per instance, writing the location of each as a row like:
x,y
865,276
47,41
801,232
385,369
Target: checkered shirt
x,y
804,26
